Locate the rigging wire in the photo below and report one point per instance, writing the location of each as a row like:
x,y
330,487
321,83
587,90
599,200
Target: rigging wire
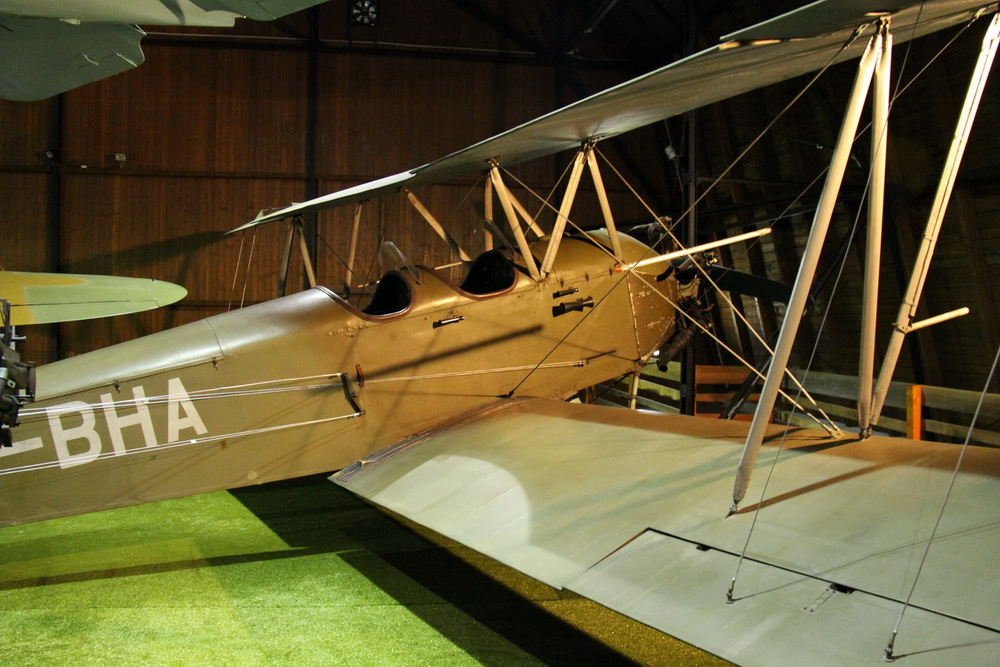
x,y
781,444
186,443
236,272
889,656
840,270
248,389
704,274
246,275
675,306
831,428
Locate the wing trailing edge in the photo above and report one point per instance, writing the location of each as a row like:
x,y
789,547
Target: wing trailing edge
x,y
627,509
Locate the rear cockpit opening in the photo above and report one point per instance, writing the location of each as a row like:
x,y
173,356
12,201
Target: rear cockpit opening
x,y
392,295
491,272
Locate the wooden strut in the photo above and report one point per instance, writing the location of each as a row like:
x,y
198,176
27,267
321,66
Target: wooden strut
x,y
512,207
876,206
352,250
602,196
934,220
807,270
295,229
436,226
488,213
515,227
564,208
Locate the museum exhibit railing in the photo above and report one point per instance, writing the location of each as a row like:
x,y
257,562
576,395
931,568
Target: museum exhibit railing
x,y
920,412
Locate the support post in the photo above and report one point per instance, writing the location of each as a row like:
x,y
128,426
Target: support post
x,y
602,196
807,270
306,258
526,216
876,207
564,208
488,213
286,260
515,227
915,411
908,308
352,249
436,226
633,391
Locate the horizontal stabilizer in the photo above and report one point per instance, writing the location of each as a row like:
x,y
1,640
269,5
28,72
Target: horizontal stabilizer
x,y
42,298
627,508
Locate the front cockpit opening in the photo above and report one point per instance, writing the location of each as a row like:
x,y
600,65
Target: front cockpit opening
x,y
491,272
392,295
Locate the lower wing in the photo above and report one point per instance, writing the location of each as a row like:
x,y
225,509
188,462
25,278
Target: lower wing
x,y
627,509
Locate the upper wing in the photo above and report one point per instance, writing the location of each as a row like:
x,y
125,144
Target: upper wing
x,y
808,39
41,298
627,509
43,54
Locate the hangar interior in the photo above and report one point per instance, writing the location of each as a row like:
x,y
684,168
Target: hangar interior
x,y
144,173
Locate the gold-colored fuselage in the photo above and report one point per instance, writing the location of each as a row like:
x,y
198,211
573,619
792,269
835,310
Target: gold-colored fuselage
x,y
307,383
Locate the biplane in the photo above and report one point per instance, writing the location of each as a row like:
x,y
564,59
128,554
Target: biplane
x,y
444,402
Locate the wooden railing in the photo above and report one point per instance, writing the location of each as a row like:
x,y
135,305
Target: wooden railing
x,y
920,412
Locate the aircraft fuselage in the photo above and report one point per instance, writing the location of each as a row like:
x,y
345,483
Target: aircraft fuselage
x,y
308,384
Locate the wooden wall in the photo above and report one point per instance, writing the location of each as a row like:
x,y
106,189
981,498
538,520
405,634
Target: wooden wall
x,y
215,130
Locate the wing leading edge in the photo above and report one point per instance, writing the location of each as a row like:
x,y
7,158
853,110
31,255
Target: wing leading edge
x,y
807,40
627,509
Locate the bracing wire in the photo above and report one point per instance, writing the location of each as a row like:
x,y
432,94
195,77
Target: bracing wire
x,y
829,427
236,272
784,434
246,275
729,595
944,503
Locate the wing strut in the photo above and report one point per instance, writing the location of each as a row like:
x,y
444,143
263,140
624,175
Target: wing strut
x,y
352,249
564,208
295,230
488,213
602,195
515,227
876,201
904,320
807,269
436,226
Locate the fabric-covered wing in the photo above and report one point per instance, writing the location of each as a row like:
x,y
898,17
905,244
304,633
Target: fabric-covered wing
x,y
41,57
41,298
42,54
812,36
627,508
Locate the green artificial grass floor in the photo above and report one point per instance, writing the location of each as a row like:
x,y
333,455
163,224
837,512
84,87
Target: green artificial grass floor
x,y
296,572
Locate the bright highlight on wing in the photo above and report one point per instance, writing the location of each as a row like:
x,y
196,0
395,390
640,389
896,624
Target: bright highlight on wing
x,y
43,298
